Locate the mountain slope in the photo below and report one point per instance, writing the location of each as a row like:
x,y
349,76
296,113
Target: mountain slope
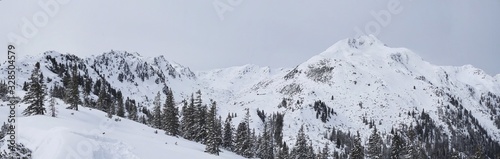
x,y
362,82
88,133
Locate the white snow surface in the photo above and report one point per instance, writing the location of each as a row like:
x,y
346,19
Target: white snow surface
x,y
88,133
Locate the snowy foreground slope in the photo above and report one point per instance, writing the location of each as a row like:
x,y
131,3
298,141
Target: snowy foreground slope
x,y
362,80
89,133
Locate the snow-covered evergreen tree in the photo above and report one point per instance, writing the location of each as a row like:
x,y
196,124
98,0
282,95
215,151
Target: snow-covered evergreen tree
x,y
283,152
300,150
325,153
72,92
36,93
188,120
120,107
170,115
213,137
3,89
102,98
227,141
396,147
157,115
357,151
243,145
111,109
265,149
200,116
52,106
374,145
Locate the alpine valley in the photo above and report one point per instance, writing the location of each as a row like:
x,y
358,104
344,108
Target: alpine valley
x,y
357,99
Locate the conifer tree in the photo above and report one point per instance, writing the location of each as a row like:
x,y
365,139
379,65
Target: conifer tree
x,y
52,106
132,112
283,152
325,153
3,89
188,120
171,119
479,153
36,93
243,140
120,107
72,92
213,139
413,151
200,116
227,141
300,150
310,151
396,147
375,145
102,97
278,128
357,150
265,150
111,109
157,115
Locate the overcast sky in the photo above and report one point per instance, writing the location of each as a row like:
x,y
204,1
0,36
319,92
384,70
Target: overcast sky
x,y
277,33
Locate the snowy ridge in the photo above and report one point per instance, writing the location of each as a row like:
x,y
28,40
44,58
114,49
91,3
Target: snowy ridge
x,y
359,78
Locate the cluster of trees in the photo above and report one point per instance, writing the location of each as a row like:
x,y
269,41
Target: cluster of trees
x,y
166,117
3,89
322,111
492,102
20,151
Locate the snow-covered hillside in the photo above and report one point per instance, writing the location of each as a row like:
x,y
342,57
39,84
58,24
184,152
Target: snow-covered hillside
x,y
88,133
361,80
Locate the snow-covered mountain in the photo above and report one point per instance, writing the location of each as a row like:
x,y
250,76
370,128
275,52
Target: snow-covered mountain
x,y
361,80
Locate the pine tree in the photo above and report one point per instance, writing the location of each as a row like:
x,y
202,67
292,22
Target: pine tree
x,y
227,141
375,145
213,140
171,119
188,120
243,140
200,119
184,119
357,151
3,89
265,150
278,128
326,152
251,139
300,150
132,113
479,153
396,147
102,97
36,93
111,110
283,152
157,115
52,107
121,110
72,93
413,151
310,151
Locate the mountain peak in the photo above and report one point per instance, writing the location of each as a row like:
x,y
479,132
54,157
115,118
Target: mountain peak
x,y
362,42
